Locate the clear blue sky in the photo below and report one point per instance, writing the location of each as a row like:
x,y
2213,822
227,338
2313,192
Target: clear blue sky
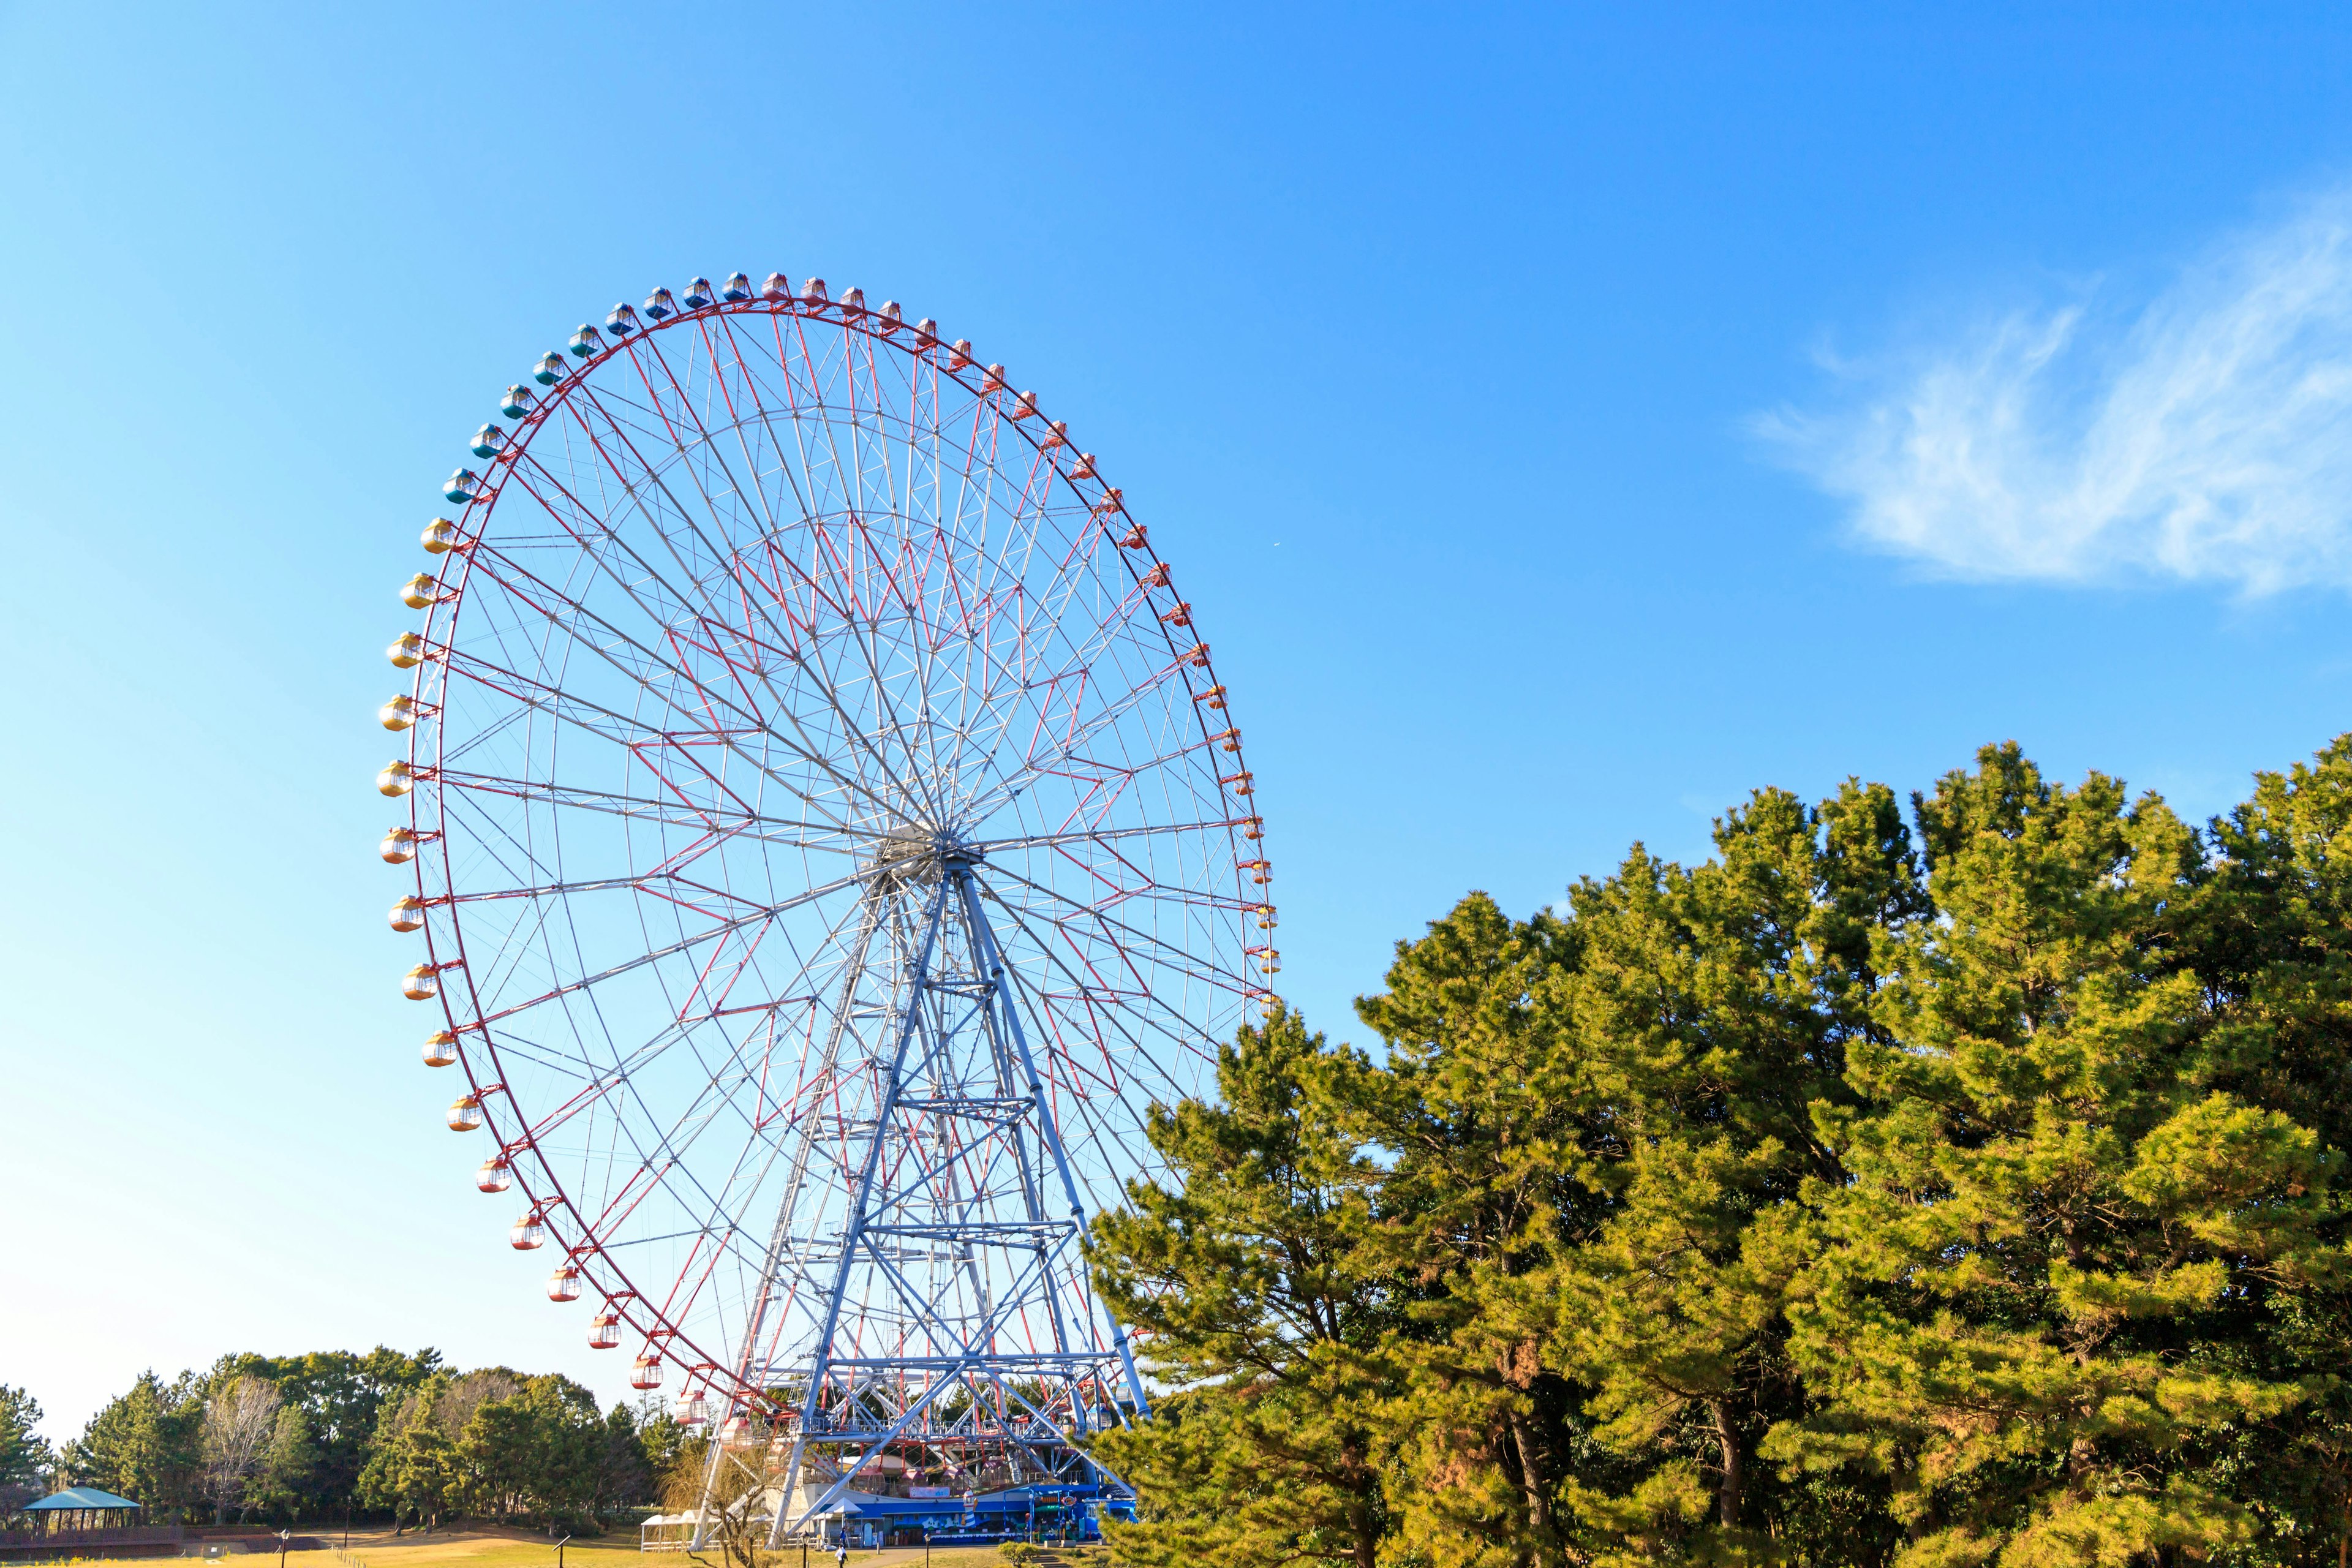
x,y
1562,424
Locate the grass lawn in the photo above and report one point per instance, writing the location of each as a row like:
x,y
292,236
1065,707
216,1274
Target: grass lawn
x,y
474,1547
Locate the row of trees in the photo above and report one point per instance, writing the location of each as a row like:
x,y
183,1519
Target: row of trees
x,y
1954,1190
334,1435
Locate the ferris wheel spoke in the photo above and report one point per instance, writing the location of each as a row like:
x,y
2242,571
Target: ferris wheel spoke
x,y
718,555
624,733
639,676
647,882
985,847
701,818
801,749
685,614
1033,765
1121,937
879,552
1086,987
717,932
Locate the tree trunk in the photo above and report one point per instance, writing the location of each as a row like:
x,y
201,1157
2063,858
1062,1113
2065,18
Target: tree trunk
x,y
1531,1480
1363,1523
1727,1492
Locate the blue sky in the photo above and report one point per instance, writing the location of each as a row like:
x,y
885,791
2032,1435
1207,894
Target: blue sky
x,y
1563,423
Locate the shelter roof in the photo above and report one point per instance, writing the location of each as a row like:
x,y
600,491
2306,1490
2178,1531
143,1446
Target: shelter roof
x,y
81,1497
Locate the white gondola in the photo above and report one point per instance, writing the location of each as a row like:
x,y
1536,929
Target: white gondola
x,y
853,302
775,285
813,291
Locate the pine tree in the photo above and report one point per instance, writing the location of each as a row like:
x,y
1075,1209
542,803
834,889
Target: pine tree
x,y
145,1444
2047,1207
1484,1143
26,1459
1241,1278
1709,1015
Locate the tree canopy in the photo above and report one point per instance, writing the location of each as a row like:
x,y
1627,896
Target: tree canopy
x,y
290,1438
1955,1186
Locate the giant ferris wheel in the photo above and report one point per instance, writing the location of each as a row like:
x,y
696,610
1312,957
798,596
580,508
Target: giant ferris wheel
x,y
829,836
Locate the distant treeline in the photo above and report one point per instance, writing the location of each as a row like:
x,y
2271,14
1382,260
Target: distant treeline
x,y
320,1438
1953,1187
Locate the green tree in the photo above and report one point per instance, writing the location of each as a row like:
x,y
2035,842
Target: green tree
x,y
413,1470
1707,1021
1239,1274
1482,1130
340,1395
623,1472
2270,938
498,1450
146,1445
664,1447
281,1485
2047,1209
25,1458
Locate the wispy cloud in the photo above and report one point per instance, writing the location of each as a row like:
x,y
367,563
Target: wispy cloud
x,y
2205,435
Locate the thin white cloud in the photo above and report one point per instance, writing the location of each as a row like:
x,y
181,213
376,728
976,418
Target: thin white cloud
x,y
2206,438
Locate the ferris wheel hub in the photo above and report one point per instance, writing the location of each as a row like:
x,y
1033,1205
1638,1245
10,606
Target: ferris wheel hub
x,y
914,854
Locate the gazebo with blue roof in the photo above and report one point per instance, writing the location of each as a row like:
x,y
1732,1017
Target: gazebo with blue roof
x,y
82,1508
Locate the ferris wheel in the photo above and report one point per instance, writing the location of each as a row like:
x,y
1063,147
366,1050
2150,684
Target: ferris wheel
x,y
829,837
